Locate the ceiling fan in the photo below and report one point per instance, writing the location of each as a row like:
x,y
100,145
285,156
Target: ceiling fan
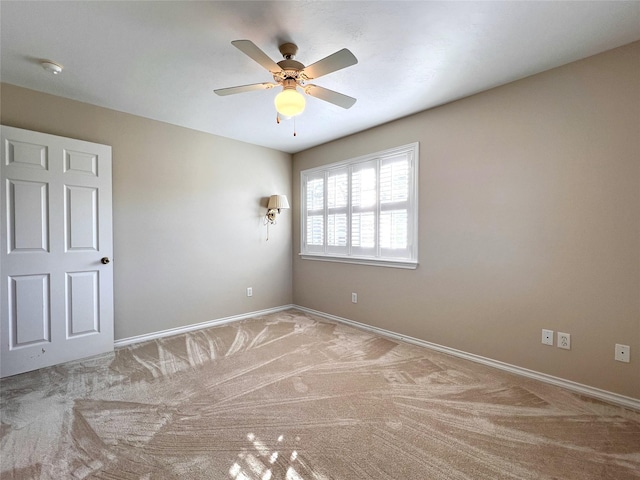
x,y
291,74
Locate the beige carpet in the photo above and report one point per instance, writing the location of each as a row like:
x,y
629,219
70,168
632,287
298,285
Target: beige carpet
x,y
290,396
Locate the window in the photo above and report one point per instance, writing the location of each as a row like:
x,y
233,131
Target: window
x,y
363,210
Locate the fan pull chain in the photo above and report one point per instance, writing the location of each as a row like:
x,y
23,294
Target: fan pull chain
x,y
295,134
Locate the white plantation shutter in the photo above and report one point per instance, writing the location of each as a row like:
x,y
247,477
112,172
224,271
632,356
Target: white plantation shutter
x,y
314,213
394,207
337,203
364,206
363,210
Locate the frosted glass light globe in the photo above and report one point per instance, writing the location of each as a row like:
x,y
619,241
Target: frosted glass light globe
x,y
290,102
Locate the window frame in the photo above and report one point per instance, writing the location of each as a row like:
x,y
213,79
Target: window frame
x,y
346,254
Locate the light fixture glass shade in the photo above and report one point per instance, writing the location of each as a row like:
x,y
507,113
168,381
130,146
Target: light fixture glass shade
x,y
278,202
289,102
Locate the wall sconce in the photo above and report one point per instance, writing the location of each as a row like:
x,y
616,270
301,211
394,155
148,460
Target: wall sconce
x,y
276,202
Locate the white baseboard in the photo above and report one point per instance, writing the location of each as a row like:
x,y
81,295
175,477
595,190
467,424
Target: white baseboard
x,y
604,395
196,326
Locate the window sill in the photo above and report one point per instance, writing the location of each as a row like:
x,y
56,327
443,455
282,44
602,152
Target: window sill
x,y
376,262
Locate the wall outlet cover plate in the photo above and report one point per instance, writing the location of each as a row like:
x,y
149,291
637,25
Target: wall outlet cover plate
x,y
622,353
564,340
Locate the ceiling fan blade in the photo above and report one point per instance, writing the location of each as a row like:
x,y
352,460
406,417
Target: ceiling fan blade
x,y
330,96
243,88
339,60
250,49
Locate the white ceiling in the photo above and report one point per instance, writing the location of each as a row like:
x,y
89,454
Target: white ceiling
x,y
162,60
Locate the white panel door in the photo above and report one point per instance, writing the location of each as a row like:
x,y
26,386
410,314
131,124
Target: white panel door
x,y
56,296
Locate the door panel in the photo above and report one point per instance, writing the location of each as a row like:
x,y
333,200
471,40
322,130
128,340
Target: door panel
x,y
26,154
81,218
29,308
83,316
56,297
28,230
81,162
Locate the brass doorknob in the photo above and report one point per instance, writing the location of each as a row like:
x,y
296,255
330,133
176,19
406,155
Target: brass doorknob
x,y
105,260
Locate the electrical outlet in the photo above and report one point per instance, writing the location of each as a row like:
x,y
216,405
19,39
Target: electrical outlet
x,y
623,352
547,337
249,292
564,340
354,298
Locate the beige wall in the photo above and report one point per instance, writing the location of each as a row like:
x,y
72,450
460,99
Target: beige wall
x,y
187,214
529,219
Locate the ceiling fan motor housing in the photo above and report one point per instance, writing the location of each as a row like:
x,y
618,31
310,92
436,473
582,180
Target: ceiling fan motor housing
x,y
290,69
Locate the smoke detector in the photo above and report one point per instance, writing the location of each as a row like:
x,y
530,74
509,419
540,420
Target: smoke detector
x,y
51,67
